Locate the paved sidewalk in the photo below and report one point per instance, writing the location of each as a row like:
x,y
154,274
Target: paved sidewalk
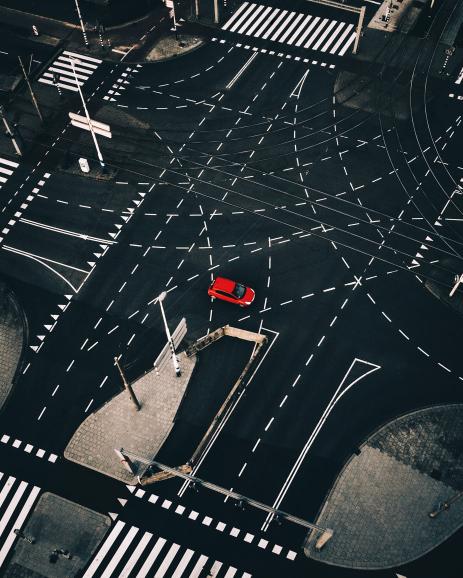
x,y
57,526
13,336
379,506
119,425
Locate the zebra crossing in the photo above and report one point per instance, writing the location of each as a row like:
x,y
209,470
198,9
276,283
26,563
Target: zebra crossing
x,y
292,28
61,67
128,552
6,170
17,499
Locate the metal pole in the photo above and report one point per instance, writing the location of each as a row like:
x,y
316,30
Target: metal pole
x,y
216,11
197,8
34,100
174,19
458,282
127,386
10,132
84,34
98,152
169,337
359,30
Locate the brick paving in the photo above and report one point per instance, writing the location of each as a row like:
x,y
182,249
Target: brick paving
x,y
379,506
12,338
57,523
118,425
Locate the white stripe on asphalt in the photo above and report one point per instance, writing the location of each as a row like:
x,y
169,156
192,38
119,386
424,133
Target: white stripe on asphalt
x,y
135,555
12,506
104,550
283,25
251,19
151,558
316,33
10,164
348,43
66,73
291,28
230,573
275,24
215,569
82,56
183,563
5,171
3,180
198,567
120,552
18,523
267,22
308,31
65,62
259,20
341,39
300,29
235,16
66,86
9,483
161,572
243,17
332,38
324,35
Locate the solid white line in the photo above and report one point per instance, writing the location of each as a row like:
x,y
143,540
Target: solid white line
x,y
198,567
249,21
82,56
267,22
161,572
259,20
12,506
183,563
316,33
151,558
120,552
332,38
18,523
275,24
39,258
241,70
341,39
308,31
66,232
235,16
135,555
285,22
301,27
348,43
243,17
104,549
291,28
324,35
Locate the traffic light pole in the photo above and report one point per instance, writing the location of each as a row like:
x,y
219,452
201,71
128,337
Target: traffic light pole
x,y
34,100
10,132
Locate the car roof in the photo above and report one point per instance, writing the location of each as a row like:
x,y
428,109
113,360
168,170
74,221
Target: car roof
x,y
224,284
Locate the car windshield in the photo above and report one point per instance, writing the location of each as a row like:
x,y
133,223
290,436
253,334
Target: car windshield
x,y
239,290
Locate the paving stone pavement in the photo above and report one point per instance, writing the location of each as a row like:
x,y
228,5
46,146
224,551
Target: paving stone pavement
x,y
57,524
118,425
379,506
12,338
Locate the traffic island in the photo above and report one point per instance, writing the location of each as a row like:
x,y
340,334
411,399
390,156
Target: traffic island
x,y
400,497
168,46
13,337
58,540
119,425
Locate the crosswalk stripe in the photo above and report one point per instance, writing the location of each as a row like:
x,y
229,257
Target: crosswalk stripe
x,y
243,17
308,31
62,79
151,558
291,28
60,84
183,563
230,572
82,56
347,44
136,555
104,549
259,20
65,62
64,72
251,19
14,165
12,506
235,16
18,523
198,567
282,26
299,30
215,569
341,39
332,38
275,24
5,171
316,33
3,180
268,21
161,572
324,35
120,552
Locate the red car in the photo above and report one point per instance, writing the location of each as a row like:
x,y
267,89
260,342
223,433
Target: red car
x,y
229,290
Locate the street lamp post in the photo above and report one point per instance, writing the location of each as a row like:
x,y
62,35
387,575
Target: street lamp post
x,y
161,298
84,34
73,61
